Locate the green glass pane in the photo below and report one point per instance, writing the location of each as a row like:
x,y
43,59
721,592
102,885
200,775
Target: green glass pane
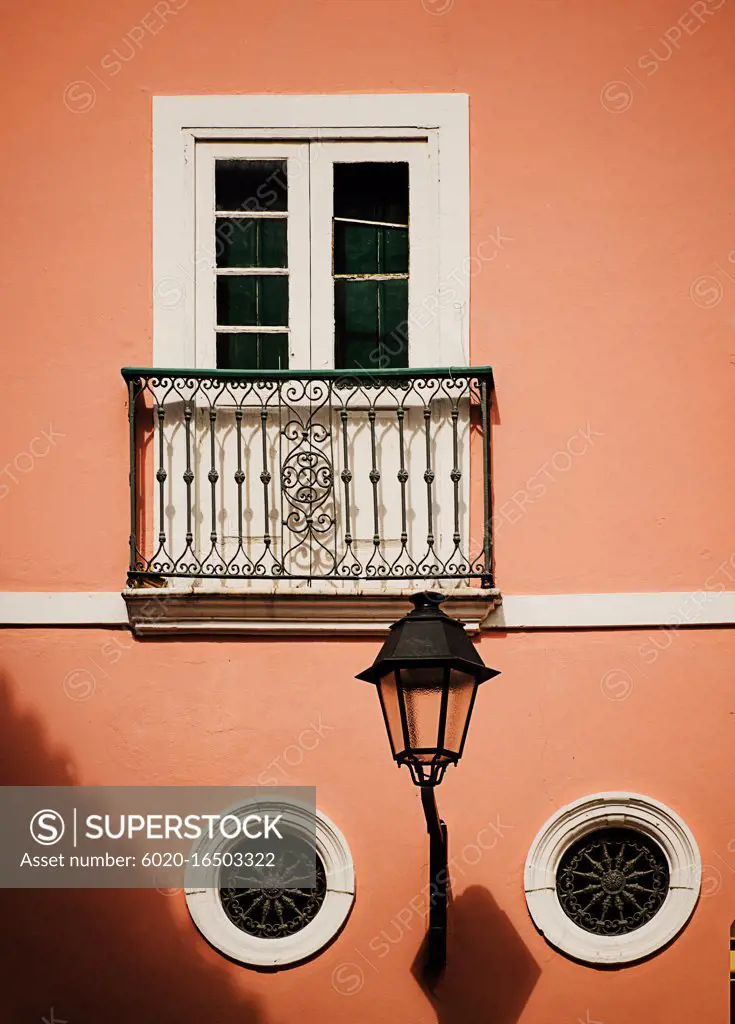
x,y
362,249
393,296
355,249
370,324
252,351
274,301
251,242
394,254
250,185
249,301
372,191
356,313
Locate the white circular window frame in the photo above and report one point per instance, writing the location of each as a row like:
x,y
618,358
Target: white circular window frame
x,y
205,905
589,814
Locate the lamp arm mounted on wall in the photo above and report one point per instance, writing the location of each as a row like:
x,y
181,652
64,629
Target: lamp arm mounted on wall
x,y
438,882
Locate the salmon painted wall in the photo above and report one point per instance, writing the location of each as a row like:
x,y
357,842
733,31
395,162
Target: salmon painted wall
x,y
602,148
543,733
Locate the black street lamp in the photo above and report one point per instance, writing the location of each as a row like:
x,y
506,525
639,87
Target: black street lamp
x,y
427,673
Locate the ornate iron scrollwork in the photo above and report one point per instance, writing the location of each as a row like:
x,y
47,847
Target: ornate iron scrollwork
x,y
612,881
307,478
273,912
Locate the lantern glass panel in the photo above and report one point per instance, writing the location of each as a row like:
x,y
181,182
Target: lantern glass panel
x,y
461,690
388,692
422,693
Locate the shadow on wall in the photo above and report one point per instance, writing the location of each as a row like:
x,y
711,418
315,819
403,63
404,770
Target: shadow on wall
x,y
112,955
490,973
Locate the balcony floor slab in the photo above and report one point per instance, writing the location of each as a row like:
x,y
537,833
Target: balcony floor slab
x,y
217,607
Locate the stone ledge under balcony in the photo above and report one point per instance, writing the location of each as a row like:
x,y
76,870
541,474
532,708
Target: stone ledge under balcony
x,y
219,607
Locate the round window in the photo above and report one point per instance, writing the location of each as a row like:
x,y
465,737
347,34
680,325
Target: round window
x,y
612,881
277,910
288,921
612,877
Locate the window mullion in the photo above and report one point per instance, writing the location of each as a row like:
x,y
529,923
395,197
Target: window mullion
x,y
299,257
322,288
203,263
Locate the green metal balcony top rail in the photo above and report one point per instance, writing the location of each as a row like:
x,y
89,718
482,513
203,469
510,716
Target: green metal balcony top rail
x,y
484,373
310,474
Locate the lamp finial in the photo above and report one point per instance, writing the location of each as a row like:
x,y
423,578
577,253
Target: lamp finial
x,y
427,599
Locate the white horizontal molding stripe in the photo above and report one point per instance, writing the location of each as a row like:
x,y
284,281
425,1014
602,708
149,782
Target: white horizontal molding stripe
x,y
517,612
63,608
613,611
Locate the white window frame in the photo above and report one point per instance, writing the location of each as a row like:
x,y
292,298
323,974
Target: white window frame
x,y
179,121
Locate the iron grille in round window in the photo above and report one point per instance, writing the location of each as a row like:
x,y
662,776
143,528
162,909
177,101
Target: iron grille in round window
x,y
612,881
283,908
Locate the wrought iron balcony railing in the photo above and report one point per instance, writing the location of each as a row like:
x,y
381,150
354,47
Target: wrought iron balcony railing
x,y
329,475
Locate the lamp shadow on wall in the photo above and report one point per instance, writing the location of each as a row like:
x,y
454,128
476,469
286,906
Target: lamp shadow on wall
x,y
112,955
490,973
